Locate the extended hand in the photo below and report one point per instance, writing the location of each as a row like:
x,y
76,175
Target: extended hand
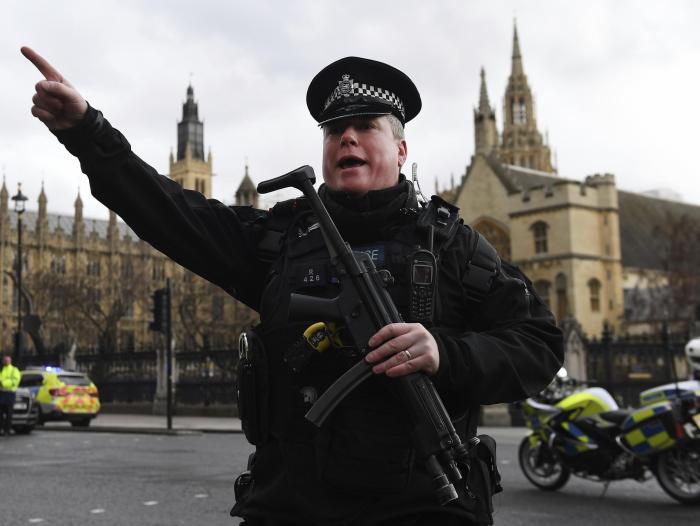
x,y
403,348
56,102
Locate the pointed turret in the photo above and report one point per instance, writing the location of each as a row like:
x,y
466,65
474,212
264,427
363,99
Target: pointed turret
x,y
484,105
247,193
522,143
4,200
78,206
112,232
42,225
190,131
485,131
78,225
42,202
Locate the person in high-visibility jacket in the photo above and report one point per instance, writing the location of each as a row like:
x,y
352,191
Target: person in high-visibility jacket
x,y
9,382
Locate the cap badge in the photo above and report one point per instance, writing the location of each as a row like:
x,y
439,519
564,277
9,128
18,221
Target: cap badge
x,y
345,85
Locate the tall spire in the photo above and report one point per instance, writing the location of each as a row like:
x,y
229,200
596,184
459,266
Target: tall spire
x,y
517,59
522,143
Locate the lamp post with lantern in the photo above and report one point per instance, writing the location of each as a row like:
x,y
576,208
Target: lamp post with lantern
x,y
19,200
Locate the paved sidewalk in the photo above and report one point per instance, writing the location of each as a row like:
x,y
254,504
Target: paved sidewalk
x,y
151,424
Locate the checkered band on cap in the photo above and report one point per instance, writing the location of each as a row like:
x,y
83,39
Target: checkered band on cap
x,y
348,88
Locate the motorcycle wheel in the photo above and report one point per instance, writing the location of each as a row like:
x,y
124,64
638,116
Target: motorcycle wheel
x,y
542,466
678,472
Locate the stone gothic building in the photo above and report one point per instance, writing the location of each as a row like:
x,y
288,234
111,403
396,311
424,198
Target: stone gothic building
x,y
90,281
594,253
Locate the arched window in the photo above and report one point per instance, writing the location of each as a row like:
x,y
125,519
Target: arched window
x,y
127,268
543,289
519,111
58,264
158,273
594,291
539,232
93,267
25,261
562,300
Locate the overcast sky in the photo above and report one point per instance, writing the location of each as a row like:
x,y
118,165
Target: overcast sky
x,y
615,82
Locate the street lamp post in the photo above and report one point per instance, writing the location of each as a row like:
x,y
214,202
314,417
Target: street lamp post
x,y
19,200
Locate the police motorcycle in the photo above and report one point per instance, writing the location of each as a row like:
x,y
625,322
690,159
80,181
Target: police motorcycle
x,y
692,353
582,431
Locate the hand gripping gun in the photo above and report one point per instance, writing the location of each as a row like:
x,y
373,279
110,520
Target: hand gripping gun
x,y
364,306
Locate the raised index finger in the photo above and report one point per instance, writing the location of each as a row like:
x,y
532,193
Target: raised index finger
x,y
46,69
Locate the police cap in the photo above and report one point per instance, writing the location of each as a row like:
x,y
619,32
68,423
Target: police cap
x,y
354,86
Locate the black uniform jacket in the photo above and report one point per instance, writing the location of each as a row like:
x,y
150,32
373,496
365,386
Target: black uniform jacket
x,y
502,349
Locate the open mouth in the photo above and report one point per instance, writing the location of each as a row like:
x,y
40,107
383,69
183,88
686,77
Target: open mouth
x,y
350,162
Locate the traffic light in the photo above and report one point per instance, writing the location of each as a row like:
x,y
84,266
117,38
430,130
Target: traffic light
x,y
160,311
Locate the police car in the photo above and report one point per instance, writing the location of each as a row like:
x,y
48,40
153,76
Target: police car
x,y
62,395
25,412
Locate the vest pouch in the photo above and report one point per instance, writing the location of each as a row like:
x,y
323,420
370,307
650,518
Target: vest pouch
x,y
364,451
253,388
484,478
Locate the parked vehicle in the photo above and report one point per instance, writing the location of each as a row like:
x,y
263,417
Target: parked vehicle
x,y
586,434
25,412
62,395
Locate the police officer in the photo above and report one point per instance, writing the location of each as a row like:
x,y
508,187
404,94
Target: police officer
x,y
9,382
483,337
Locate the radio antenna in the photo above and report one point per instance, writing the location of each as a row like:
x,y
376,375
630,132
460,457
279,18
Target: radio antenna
x,y
416,184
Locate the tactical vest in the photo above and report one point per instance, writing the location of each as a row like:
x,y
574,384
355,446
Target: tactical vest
x,y
364,448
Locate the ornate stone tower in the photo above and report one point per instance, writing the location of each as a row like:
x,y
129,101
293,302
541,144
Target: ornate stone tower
x,y
247,194
485,132
190,169
522,143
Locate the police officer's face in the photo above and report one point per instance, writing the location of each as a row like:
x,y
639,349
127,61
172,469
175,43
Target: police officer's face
x,y
361,154
6,360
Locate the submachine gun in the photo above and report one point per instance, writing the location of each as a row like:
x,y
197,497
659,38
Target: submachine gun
x,y
364,306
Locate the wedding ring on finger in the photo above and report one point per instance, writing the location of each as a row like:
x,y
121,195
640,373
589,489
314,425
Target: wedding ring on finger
x,y
408,355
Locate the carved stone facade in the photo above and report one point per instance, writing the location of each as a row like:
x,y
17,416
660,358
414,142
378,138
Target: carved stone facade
x,y
589,248
90,281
